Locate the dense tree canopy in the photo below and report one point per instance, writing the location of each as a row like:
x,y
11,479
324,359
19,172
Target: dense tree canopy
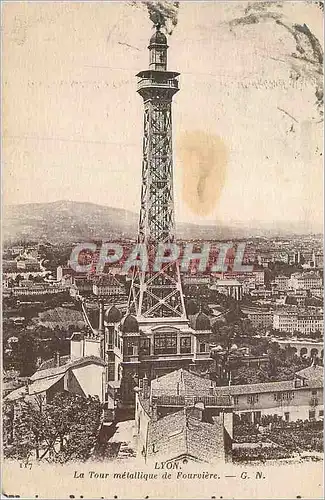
x,y
64,429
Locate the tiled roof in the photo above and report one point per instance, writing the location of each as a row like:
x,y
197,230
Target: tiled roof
x,y
236,390
145,403
16,394
61,315
178,434
43,384
50,363
70,364
312,373
183,383
180,383
285,385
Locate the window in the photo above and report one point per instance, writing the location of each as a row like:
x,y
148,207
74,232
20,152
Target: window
x,y
202,347
165,343
321,413
288,395
312,414
252,399
110,339
287,416
144,347
284,396
128,348
236,400
185,345
314,392
257,417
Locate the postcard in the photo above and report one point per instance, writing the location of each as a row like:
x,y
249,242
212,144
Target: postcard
x,y
162,249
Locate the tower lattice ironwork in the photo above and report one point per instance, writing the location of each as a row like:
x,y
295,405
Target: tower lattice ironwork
x,y
157,294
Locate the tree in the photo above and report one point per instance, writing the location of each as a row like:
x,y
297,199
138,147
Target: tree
x,y
247,327
64,429
191,307
28,429
247,375
235,313
25,357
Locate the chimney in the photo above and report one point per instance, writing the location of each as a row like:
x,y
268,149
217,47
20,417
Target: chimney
x,y
101,317
196,411
297,382
145,387
56,359
77,346
154,412
27,383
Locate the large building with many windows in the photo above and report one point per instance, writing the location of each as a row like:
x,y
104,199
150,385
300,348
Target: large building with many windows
x,y
306,321
306,281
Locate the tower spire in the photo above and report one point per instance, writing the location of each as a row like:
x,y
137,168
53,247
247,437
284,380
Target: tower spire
x,y
157,294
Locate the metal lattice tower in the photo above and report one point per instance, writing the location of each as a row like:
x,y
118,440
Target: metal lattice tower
x,y
157,294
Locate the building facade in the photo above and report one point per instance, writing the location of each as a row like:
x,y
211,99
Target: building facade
x,y
306,280
298,399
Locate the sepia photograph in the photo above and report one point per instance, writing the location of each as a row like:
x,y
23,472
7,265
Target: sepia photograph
x,y
162,249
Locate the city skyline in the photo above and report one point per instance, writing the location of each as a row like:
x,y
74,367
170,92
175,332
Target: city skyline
x,y
77,155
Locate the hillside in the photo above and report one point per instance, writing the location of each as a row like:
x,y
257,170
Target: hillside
x,y
69,221
66,221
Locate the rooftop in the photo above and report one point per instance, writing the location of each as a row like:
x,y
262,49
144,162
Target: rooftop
x,y
263,387
314,373
51,363
56,370
179,434
180,383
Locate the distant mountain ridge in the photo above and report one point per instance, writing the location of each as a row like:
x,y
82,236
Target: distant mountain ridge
x,y
71,221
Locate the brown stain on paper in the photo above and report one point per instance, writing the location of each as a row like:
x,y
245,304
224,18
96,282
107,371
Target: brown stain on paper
x,y
204,159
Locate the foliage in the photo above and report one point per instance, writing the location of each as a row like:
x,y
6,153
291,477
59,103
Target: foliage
x,y
260,454
35,344
65,429
54,256
25,352
287,438
249,375
28,431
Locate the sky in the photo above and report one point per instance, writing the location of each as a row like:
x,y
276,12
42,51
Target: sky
x,y
247,132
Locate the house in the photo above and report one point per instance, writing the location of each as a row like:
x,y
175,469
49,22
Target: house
x,y
298,399
179,418
184,437
282,283
81,376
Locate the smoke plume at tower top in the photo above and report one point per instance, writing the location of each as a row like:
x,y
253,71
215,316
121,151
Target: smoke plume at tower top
x,y
164,13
